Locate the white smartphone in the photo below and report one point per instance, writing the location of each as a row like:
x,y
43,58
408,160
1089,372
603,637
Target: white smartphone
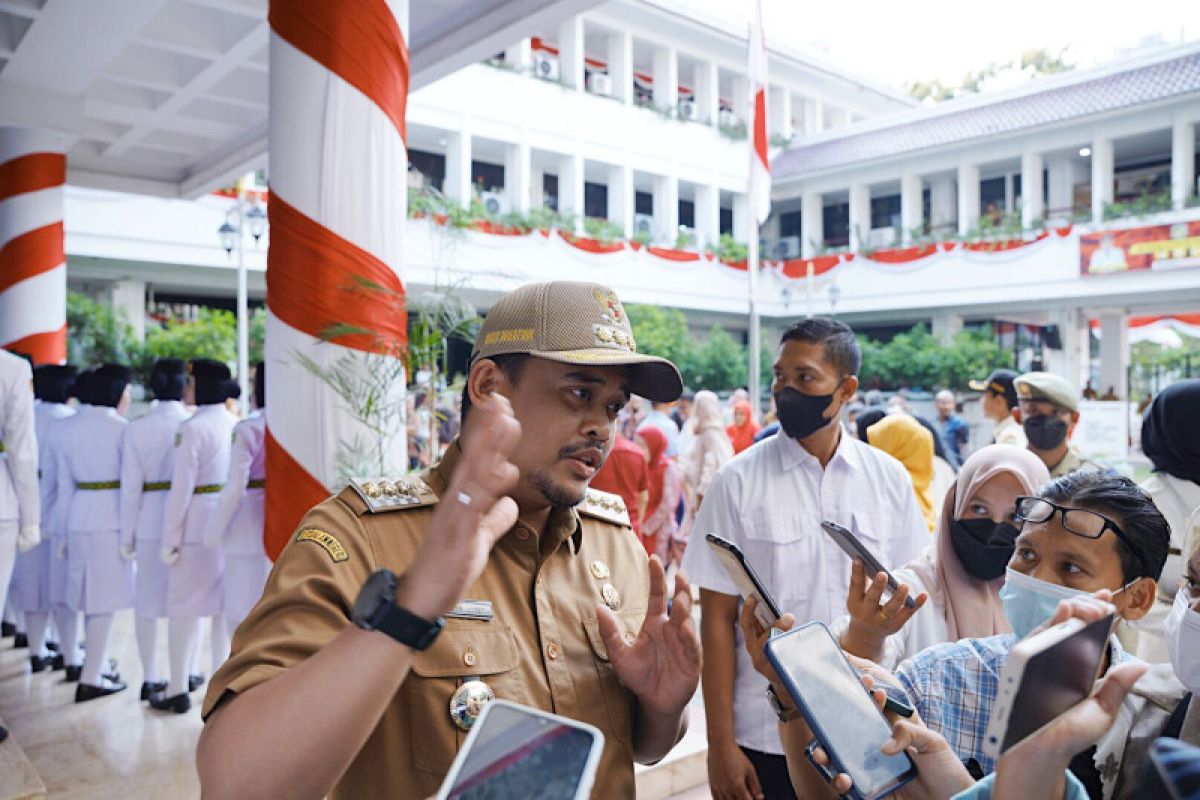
x,y
852,546
1044,675
843,716
747,580
517,751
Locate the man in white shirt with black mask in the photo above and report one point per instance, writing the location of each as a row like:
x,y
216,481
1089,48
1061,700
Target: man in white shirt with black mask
x,y
770,501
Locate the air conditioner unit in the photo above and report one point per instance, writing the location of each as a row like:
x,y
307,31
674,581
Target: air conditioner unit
x,y
643,225
726,118
599,83
494,203
787,247
688,110
545,66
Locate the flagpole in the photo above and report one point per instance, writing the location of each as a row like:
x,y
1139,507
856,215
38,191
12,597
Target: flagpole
x,y
755,326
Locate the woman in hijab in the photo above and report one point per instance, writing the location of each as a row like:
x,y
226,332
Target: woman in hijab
x,y
1171,440
741,432
960,574
903,438
666,488
710,450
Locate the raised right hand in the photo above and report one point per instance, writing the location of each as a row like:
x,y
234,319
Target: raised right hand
x,y
731,776
471,517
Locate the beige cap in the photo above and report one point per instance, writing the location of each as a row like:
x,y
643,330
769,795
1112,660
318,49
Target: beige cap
x,y
574,323
1047,386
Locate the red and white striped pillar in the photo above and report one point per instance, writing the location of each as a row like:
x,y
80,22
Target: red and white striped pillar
x,y
338,167
33,266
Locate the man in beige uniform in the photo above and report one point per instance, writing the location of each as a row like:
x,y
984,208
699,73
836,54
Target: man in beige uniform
x,y
564,614
1048,410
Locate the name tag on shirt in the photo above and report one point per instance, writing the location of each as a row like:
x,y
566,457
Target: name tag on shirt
x,y
473,609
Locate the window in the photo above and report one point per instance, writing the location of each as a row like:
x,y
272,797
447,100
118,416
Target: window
x,y
687,213
885,211
643,203
595,200
789,224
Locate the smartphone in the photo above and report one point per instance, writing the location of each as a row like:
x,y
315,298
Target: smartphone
x,y
517,751
1044,675
843,716
852,546
746,579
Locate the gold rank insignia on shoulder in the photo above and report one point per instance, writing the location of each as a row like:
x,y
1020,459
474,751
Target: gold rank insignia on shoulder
x,y
381,494
605,506
326,541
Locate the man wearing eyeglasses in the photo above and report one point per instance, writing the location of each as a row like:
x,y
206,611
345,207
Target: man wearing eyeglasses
x,y
1048,410
1084,532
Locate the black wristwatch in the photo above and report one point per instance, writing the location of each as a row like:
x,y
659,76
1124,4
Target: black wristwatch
x,y
784,714
376,610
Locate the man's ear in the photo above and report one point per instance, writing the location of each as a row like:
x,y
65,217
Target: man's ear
x,y
1141,598
1074,422
849,387
484,378
1016,414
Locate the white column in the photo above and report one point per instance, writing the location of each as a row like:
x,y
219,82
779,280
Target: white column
x,y
1060,187
666,208
812,224
860,215
520,55
1071,361
570,52
912,212
779,112
1032,189
941,202
570,185
620,197
1183,162
818,115
968,197
620,65
946,326
704,82
129,300
708,215
741,217
457,185
741,98
1009,193
666,80
537,180
517,177
1102,177
1114,352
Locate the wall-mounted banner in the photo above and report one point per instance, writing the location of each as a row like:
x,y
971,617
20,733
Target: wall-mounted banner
x,y
1156,247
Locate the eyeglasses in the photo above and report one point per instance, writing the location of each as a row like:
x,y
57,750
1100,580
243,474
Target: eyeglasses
x,y
1079,521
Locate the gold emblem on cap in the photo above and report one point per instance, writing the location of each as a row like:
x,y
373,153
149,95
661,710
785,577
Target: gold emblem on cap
x,y
600,570
612,598
468,701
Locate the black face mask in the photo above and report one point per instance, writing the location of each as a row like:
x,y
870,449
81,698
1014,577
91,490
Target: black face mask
x,y
983,547
801,415
1045,433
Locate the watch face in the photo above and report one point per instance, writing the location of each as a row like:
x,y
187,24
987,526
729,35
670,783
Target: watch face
x,y
379,588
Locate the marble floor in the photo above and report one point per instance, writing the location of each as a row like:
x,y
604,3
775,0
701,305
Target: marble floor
x,y
112,747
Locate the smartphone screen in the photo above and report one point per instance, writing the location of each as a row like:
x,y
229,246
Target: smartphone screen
x,y
840,711
519,754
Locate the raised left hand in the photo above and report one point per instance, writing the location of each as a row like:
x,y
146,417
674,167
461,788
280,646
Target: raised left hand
x,y
662,666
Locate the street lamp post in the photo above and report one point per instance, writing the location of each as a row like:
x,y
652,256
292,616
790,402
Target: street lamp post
x,y
246,212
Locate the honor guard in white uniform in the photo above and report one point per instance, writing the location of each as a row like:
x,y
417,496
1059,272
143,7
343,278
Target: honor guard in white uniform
x,y
99,582
20,500
66,619
52,387
237,527
202,448
147,463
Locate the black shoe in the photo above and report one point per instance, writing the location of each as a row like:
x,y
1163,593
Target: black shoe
x,y
85,691
3,733
56,662
7,629
149,689
73,674
179,704
52,647
195,682
20,641
38,664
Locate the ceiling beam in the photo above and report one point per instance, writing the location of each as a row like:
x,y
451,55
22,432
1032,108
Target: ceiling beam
x,y
224,166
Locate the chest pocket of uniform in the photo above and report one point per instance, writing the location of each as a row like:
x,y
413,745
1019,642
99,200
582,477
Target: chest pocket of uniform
x,y
782,548
486,651
617,701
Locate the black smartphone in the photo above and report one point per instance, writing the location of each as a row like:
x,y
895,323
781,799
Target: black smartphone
x,y
852,546
745,578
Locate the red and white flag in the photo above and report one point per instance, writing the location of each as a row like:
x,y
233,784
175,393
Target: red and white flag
x,y
760,170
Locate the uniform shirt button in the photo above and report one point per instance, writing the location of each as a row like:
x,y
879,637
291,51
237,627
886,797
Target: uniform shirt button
x,y
552,650
469,658
522,534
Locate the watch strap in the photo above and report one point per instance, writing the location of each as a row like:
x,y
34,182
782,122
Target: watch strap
x,y
784,714
405,627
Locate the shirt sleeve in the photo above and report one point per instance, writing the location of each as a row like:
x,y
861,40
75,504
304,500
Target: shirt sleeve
x,y
132,479
240,458
306,602
66,485
718,514
20,447
912,535
982,790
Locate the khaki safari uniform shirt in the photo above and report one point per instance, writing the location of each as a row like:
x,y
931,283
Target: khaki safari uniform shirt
x,y
542,646
1072,462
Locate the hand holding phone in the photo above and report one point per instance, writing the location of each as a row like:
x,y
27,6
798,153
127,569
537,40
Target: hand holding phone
x,y
853,547
745,578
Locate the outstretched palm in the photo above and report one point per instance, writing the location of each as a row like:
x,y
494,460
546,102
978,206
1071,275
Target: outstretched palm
x,y
662,666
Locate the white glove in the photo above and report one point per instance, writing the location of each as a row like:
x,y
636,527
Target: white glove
x,y
28,538
128,551
170,555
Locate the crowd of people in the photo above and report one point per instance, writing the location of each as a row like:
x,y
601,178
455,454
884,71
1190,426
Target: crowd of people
x,y
161,515
549,557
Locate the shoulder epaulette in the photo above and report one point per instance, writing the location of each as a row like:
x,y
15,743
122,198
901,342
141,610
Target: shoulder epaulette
x,y
381,494
605,506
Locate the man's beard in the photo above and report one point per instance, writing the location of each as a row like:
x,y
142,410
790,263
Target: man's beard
x,y
555,494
